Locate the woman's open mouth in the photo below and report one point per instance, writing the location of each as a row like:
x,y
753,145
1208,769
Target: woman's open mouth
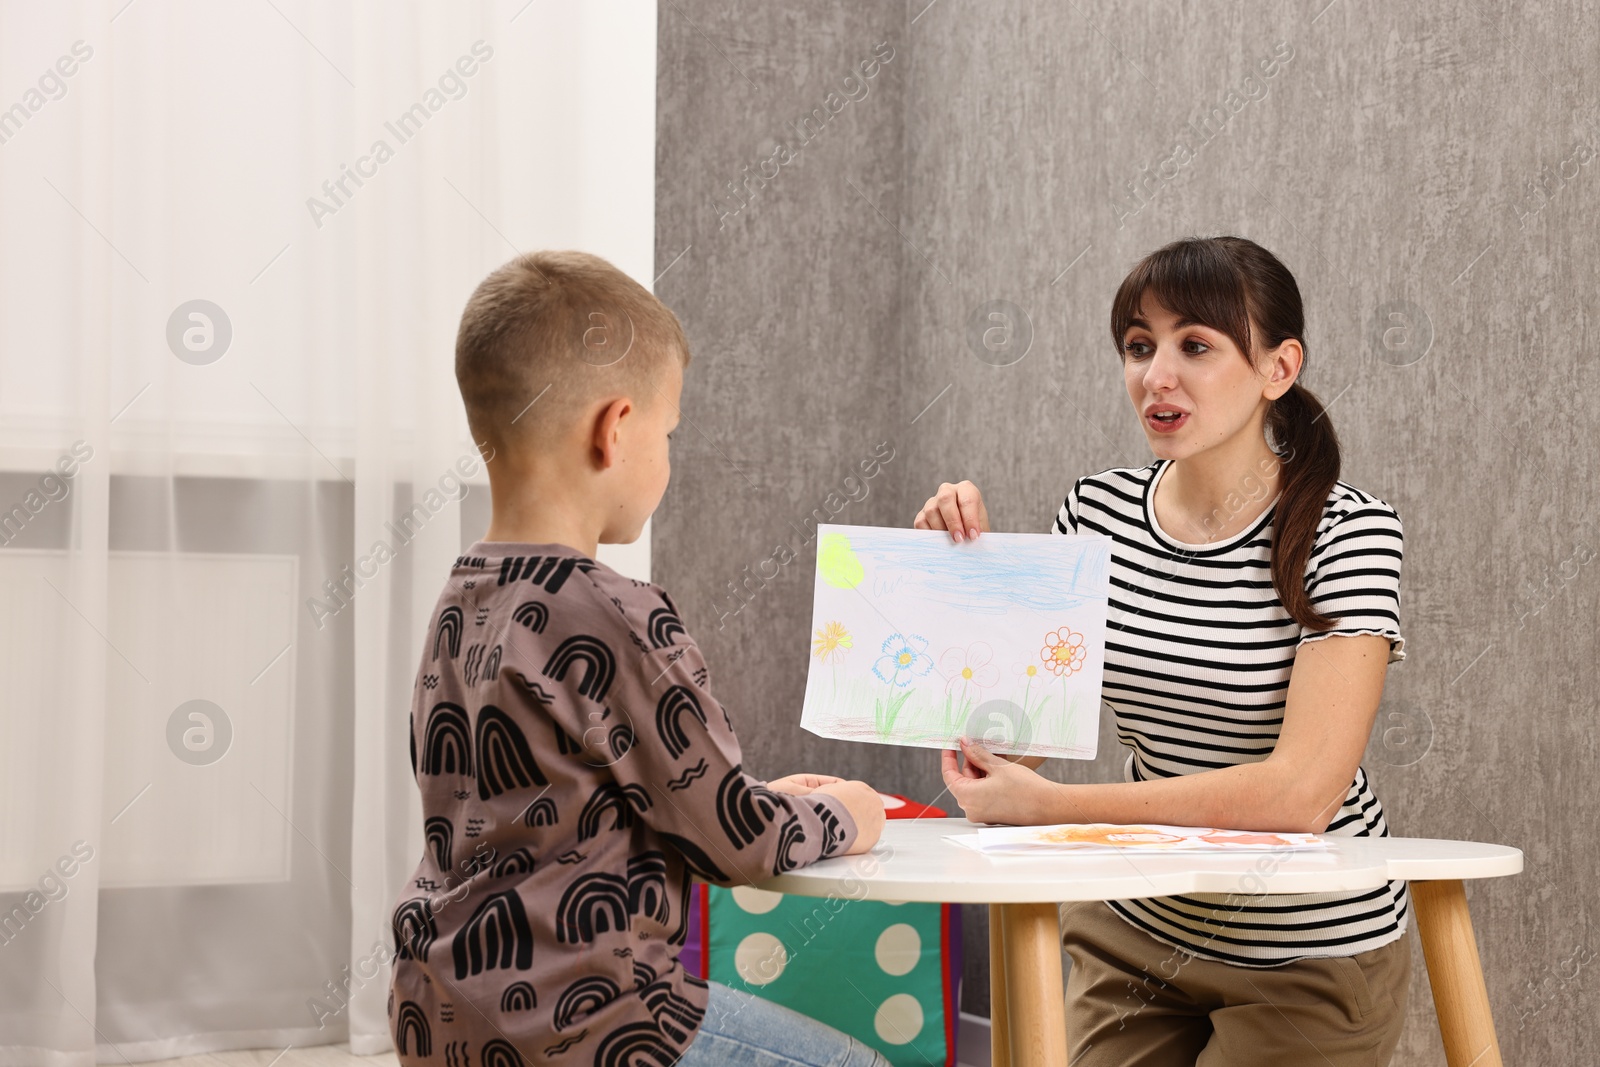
x,y
1167,421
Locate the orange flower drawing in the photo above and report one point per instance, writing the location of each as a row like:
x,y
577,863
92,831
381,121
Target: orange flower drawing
x,y
1242,837
1108,835
1063,652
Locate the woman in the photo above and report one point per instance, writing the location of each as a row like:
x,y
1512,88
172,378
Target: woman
x,y
1254,609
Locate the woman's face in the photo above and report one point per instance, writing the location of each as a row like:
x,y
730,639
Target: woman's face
x,y
1199,373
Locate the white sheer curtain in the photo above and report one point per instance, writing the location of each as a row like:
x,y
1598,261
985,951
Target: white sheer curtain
x,y
205,798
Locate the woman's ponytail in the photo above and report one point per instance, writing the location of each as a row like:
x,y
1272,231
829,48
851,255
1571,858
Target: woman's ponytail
x,y
1309,451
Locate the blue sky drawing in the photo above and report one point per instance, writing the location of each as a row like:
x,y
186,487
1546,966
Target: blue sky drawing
x,y
990,576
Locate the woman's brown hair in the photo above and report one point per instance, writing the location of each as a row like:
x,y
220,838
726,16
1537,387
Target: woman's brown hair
x,y
1235,286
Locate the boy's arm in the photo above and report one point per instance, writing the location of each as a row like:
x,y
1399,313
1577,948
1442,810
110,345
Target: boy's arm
x,y
677,766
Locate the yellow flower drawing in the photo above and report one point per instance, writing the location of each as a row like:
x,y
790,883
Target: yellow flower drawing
x,y
832,640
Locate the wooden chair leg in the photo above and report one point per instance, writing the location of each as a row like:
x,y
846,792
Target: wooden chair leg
x,y
1460,997
1036,1005
999,1019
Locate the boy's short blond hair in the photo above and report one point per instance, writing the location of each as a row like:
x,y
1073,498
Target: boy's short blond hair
x,y
562,328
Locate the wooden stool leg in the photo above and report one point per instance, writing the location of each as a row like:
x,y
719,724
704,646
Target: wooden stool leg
x,y
1036,1003
999,1018
1459,996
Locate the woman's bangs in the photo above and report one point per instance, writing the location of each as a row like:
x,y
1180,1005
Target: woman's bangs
x,y
1193,280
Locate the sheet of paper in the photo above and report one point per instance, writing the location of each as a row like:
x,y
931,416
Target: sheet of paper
x,y
1108,837
917,640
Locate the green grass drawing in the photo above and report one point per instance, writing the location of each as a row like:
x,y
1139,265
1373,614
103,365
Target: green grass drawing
x,y
954,715
885,712
1061,727
933,716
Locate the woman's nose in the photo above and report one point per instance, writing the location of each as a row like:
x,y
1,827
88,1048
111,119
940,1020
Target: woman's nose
x,y
1162,373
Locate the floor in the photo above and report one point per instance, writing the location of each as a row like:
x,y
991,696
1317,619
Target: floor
x,y
310,1056
974,1052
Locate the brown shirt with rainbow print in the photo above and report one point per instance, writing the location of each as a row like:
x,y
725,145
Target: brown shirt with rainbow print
x,y
575,771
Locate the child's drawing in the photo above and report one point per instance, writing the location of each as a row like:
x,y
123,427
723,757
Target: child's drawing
x,y
916,640
1107,837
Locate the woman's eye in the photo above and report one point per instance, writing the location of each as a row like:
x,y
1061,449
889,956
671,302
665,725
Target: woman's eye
x,y
1201,345
1135,349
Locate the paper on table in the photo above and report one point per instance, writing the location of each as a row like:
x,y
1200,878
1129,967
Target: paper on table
x,y
917,640
1152,837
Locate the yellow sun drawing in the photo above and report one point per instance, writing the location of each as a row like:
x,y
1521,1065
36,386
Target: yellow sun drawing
x,y
832,640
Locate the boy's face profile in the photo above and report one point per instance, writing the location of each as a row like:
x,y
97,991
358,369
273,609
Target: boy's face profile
x,y
641,463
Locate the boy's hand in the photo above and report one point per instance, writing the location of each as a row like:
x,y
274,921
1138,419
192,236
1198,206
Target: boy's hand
x,y
798,785
957,508
866,809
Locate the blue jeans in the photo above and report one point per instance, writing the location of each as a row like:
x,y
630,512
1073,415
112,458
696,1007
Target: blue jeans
x,y
745,1031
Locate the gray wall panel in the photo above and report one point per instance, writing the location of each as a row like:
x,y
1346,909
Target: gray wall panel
x,y
1437,156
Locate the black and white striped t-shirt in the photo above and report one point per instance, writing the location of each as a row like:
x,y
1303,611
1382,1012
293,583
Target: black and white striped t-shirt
x,y
1198,654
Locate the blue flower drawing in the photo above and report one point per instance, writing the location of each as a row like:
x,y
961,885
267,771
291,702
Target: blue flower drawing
x,y
903,659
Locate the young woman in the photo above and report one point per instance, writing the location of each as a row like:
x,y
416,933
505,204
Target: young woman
x,y
1254,610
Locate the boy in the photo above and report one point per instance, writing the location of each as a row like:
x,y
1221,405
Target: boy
x,y
575,769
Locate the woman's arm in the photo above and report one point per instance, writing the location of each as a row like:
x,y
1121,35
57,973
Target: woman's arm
x,y
1334,689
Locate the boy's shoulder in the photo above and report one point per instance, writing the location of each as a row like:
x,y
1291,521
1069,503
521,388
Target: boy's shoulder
x,y
536,582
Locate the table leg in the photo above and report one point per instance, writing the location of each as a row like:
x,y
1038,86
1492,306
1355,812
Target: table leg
x,y
1036,1007
999,1018
1459,996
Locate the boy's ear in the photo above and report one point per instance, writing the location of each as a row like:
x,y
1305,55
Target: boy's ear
x,y
608,431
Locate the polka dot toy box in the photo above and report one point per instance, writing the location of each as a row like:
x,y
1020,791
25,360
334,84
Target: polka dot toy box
x,y
886,974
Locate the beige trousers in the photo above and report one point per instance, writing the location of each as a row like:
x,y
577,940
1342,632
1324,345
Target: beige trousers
x,y
1133,1000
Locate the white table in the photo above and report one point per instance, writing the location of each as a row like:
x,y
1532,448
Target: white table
x,y
914,861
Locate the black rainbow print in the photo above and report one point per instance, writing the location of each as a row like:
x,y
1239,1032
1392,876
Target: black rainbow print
x,y
541,812
664,627
647,886
499,1053
414,929
636,1045
676,1016
534,615
744,810
518,996
583,998
449,630
504,759
595,903
446,741
620,801
412,1024
519,862
497,935
437,831
593,656
674,704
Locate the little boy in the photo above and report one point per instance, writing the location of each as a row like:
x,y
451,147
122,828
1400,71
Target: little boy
x,y
574,767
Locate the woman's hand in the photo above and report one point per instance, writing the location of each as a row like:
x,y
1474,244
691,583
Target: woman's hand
x,y
992,789
957,508
798,785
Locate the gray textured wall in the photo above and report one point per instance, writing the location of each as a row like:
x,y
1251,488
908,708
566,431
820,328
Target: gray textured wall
x,y
1437,163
